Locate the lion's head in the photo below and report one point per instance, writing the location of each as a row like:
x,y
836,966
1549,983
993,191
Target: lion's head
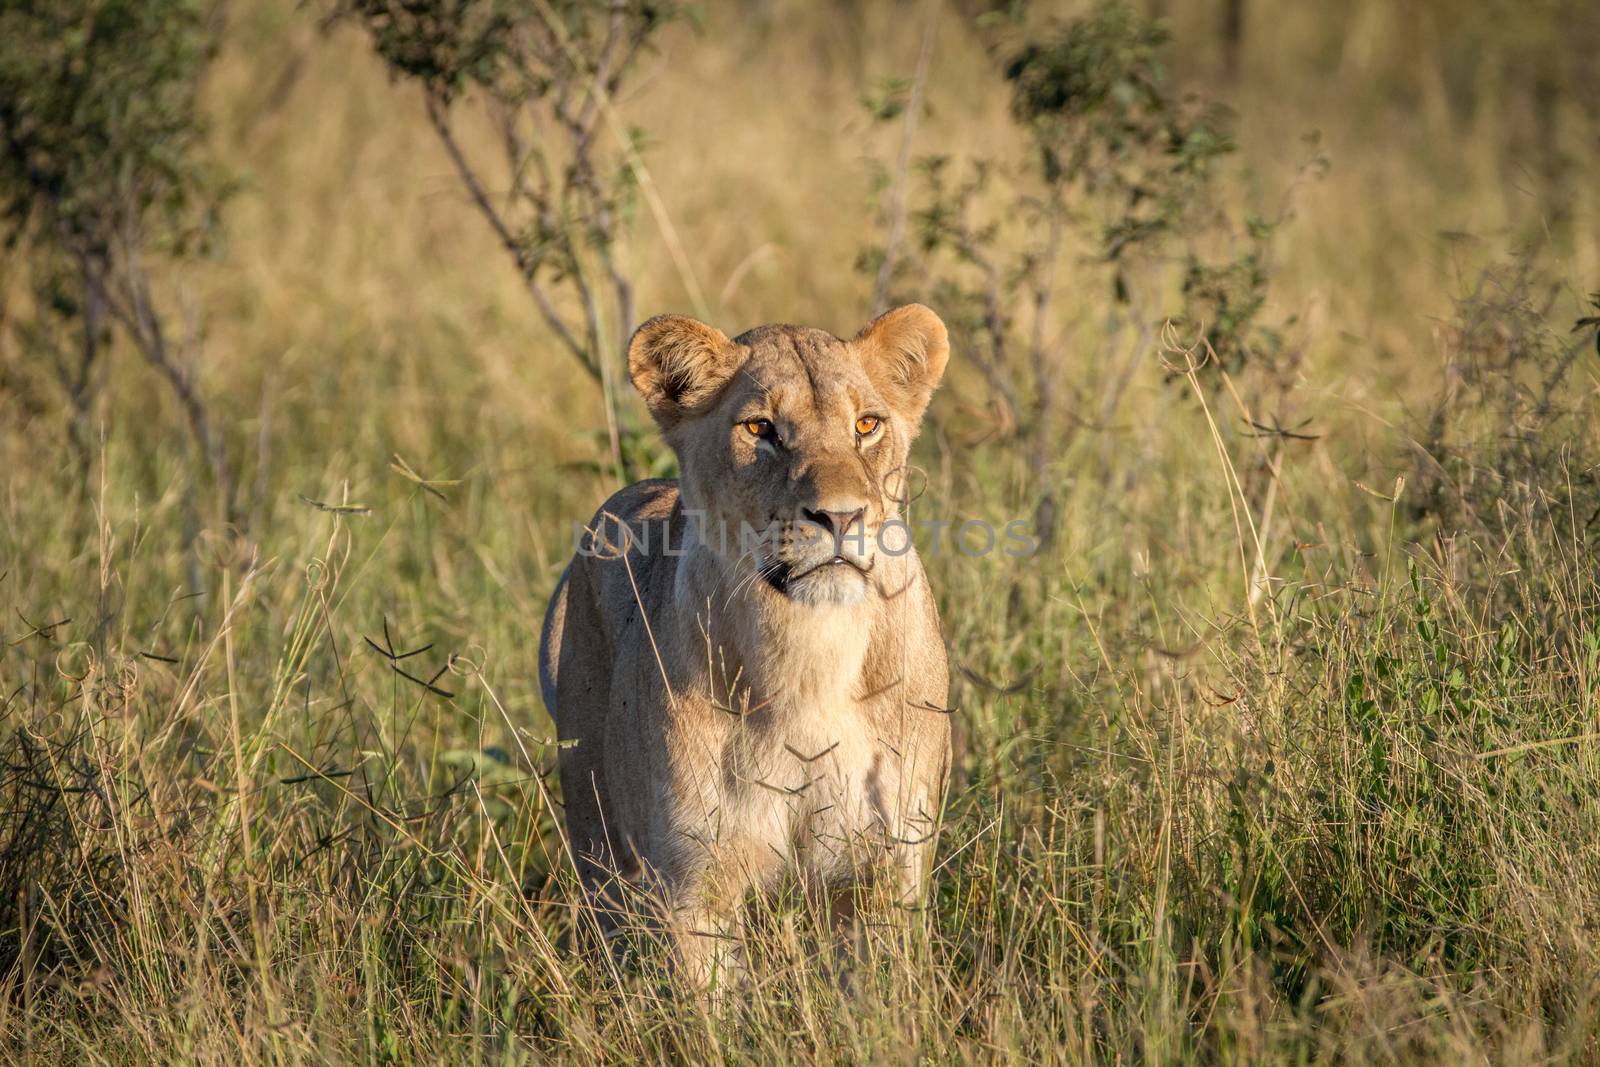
x,y
792,443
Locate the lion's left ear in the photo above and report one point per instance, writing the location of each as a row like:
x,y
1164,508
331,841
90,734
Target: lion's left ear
x,y
905,352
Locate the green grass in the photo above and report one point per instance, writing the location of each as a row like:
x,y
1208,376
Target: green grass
x,y
1347,814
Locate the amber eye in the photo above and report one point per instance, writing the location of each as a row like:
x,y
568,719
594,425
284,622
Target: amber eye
x,y
867,425
757,427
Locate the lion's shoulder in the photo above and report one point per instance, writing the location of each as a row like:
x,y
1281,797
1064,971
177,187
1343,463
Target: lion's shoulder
x,y
654,500
627,551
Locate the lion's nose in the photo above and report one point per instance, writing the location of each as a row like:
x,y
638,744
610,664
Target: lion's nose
x,y
837,523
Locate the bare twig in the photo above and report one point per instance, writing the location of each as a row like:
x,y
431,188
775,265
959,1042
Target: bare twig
x,y
438,117
131,302
1041,434
897,196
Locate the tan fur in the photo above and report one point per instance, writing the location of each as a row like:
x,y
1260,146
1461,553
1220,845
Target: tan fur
x,y
728,714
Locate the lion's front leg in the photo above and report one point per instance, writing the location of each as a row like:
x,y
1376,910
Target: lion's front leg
x,y
707,948
705,914
906,867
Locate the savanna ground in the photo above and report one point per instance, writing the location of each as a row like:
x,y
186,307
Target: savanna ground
x,y
1286,747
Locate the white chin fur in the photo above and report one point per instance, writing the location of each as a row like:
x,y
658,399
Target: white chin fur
x,y
838,584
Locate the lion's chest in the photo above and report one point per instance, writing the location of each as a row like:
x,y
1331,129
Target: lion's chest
x,y
813,786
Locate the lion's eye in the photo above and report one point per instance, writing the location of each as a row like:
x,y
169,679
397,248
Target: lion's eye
x,y
757,427
867,425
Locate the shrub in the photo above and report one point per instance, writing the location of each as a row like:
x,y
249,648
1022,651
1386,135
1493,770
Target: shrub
x,y
103,179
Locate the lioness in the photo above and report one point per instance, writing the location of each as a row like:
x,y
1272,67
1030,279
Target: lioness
x,y
745,665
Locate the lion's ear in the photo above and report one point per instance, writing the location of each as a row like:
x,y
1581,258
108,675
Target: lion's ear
x,y
679,365
905,352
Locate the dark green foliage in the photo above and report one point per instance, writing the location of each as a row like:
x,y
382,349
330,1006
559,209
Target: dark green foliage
x,y
446,45
1093,95
102,133
1222,302
103,176
519,48
1590,323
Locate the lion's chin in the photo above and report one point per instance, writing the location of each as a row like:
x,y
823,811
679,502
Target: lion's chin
x,y
835,582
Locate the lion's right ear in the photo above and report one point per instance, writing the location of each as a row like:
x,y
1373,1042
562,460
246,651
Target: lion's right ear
x,y
679,365
905,352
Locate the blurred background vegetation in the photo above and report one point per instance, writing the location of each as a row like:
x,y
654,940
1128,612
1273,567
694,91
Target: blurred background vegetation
x,y
1275,318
